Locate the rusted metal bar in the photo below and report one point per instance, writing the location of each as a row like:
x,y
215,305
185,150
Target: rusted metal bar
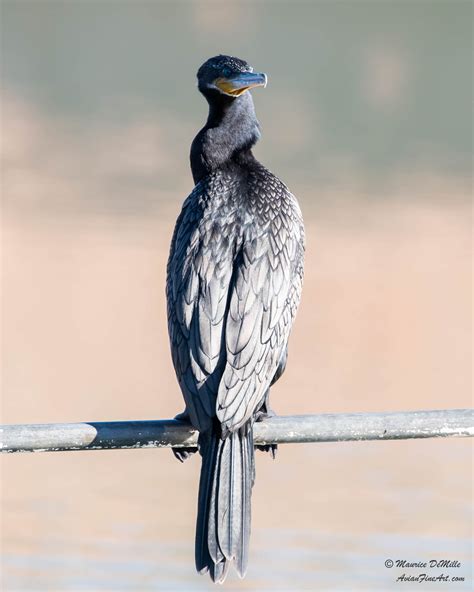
x,y
341,427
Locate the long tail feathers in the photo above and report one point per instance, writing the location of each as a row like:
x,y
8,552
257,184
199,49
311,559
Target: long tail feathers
x,y
223,522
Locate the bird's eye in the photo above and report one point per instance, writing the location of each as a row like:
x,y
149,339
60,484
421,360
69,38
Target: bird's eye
x,y
226,72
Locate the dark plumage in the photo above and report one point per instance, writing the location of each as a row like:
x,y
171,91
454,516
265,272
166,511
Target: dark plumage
x,y
234,282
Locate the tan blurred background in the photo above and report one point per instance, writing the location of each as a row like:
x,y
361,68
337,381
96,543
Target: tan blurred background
x,y
367,117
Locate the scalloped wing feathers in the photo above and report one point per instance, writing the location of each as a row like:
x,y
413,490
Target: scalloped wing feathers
x,y
234,283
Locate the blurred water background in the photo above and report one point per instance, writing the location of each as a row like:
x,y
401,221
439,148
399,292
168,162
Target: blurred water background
x,y
367,118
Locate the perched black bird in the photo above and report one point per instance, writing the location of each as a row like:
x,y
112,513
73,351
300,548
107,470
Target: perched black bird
x,y
234,282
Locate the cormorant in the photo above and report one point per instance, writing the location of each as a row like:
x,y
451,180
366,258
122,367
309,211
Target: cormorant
x,y
234,280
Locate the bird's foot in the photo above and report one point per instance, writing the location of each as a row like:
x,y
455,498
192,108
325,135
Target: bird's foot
x,y
183,416
183,454
265,412
261,415
271,448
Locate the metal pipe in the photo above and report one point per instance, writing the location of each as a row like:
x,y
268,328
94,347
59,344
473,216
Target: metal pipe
x,y
341,427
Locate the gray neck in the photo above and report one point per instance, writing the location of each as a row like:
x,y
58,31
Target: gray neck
x,y
231,129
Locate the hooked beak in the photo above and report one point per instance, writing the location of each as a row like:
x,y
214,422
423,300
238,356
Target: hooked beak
x,y
236,85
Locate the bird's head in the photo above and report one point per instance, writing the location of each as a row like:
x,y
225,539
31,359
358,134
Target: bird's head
x,y
228,76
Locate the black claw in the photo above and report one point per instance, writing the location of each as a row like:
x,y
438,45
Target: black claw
x,y
183,454
261,415
271,448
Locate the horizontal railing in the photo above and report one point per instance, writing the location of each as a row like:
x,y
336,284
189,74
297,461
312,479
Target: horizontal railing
x,y
340,427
